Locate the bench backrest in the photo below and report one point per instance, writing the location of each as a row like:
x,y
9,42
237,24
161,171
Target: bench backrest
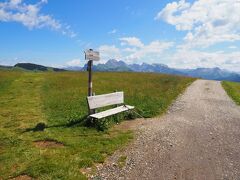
x,y
98,101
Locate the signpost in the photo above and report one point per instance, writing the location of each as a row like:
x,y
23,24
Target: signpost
x,y
91,56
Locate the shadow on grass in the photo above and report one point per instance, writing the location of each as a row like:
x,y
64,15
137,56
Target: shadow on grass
x,y
100,125
76,122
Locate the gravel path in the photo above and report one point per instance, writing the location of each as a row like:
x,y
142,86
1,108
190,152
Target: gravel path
x,y
199,138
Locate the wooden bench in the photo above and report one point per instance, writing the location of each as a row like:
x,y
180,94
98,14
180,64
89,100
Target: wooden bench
x,y
104,100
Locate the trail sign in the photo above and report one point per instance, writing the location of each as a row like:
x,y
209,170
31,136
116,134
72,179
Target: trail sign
x,y
91,55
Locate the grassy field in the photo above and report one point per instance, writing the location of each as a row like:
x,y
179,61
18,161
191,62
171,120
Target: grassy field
x,y
30,102
233,90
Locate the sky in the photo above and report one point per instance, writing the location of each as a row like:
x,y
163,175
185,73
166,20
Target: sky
x,y
180,34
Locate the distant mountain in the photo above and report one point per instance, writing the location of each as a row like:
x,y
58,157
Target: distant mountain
x,y
111,65
30,67
5,67
75,68
160,68
213,74
121,66
36,67
205,73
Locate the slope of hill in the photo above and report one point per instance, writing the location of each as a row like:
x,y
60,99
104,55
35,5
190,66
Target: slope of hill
x,y
36,67
42,130
31,67
205,73
5,67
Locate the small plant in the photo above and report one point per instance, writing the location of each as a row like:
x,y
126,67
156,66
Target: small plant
x,y
122,161
102,124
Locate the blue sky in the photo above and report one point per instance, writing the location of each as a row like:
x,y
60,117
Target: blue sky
x,y
182,34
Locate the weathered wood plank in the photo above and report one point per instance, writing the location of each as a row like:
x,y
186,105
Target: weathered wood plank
x,y
98,101
92,55
110,112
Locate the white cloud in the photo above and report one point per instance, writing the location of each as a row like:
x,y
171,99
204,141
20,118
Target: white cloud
x,y
75,62
150,52
15,2
155,52
30,16
109,52
232,47
195,59
207,22
168,14
130,50
131,41
137,52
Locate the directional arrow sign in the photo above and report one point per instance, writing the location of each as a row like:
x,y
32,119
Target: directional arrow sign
x,y
92,55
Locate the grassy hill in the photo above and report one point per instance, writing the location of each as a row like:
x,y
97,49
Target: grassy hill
x,y
36,67
233,90
42,133
30,67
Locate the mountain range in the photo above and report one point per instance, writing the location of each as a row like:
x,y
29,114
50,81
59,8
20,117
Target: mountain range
x,y
120,66
205,73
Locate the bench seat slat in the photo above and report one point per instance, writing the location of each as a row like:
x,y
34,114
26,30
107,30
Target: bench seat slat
x,y
110,112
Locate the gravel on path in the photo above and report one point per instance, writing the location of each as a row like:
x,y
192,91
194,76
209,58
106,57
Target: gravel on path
x,y
198,138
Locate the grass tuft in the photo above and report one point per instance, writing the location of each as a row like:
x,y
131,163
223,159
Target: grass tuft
x,y
122,161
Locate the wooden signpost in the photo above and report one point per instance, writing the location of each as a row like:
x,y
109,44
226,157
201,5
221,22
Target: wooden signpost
x,y
103,100
91,56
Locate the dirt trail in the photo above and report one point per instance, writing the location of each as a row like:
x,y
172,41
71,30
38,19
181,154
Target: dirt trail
x,y
199,138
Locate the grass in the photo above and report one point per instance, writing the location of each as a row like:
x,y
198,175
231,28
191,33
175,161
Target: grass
x,y
52,106
233,90
122,161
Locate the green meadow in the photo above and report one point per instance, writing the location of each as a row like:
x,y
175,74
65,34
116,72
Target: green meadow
x,y
39,107
233,90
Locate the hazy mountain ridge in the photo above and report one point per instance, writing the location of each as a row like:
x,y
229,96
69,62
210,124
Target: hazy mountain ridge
x,y
121,66
205,73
